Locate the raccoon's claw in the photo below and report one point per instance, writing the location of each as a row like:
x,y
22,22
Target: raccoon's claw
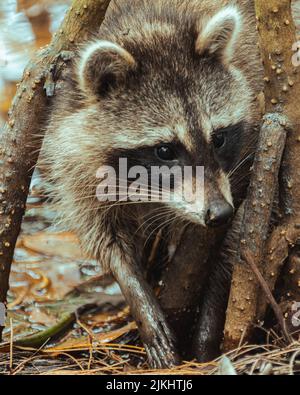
x,y
161,351
161,359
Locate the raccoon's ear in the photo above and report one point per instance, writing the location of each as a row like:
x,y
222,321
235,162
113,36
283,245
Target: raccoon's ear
x,y
103,66
219,36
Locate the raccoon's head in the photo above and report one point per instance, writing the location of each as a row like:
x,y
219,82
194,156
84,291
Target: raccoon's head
x,y
171,96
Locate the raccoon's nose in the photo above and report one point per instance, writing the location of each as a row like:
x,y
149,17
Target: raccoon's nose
x,y
219,213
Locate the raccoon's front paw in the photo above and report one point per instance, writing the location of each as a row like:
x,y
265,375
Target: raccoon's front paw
x,y
161,350
159,357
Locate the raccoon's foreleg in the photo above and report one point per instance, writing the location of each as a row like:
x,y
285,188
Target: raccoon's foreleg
x,y
209,331
155,333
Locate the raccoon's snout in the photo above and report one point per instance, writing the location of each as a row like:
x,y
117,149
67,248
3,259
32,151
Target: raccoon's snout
x,y
219,213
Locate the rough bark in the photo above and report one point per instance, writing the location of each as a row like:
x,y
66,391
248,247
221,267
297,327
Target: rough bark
x,y
277,35
22,135
243,300
277,39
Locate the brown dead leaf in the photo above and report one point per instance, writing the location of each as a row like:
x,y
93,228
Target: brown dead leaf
x,y
64,244
98,339
38,316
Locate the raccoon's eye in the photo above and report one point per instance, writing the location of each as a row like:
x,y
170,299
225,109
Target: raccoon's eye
x,y
165,153
219,140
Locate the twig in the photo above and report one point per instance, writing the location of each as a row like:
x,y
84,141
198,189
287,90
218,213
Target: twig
x,y
262,282
11,346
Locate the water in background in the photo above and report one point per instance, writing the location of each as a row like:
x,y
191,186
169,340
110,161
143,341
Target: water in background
x,y
25,25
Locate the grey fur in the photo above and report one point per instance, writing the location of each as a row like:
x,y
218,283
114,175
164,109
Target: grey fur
x,y
160,36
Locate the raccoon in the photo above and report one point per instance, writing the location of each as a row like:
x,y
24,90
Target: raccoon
x,y
163,83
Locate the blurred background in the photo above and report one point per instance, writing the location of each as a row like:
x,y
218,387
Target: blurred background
x,y
25,25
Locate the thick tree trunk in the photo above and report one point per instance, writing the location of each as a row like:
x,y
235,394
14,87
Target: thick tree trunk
x,y
277,36
244,301
22,136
